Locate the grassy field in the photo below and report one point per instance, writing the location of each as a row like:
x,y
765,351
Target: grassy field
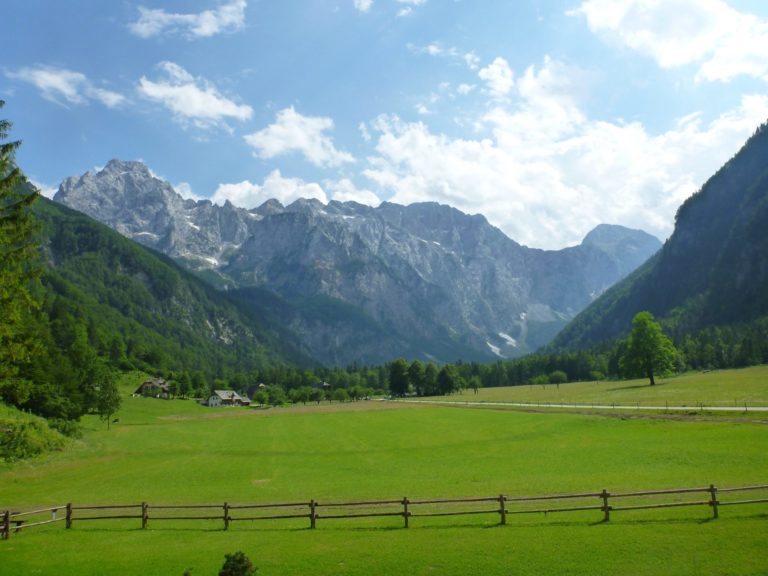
x,y
178,452
715,388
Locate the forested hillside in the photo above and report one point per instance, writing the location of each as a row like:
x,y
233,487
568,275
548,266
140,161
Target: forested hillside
x,y
711,276
109,303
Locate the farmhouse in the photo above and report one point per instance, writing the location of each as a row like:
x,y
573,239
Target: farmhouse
x,y
154,388
227,398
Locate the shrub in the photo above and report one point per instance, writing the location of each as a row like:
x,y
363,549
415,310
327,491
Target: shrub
x,y
558,377
69,428
27,437
237,564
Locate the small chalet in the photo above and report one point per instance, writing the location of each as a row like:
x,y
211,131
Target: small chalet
x,y
227,398
154,388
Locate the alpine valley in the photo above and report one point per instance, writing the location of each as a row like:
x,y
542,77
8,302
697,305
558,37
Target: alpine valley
x,y
346,283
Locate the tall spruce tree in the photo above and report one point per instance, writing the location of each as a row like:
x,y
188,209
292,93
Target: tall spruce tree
x,y
18,268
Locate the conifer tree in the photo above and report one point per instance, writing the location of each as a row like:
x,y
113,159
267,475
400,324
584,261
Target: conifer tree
x,y
18,268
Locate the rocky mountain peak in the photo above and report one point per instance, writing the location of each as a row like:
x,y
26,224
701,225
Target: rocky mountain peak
x,y
608,236
127,197
368,284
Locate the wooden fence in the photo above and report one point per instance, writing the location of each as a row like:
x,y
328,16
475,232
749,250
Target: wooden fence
x,y
502,506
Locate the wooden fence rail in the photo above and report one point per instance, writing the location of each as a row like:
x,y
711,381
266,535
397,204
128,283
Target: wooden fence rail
x,y
403,508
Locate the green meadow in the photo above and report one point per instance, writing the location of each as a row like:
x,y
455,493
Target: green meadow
x,y
176,452
714,388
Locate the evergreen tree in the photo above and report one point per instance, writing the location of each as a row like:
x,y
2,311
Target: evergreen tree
x,y
18,268
398,377
416,377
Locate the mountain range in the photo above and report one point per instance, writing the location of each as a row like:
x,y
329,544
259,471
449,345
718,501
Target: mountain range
x,y
346,283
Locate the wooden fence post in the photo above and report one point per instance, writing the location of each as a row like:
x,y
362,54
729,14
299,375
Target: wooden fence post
x,y
406,514
713,502
312,514
226,516
7,525
606,508
502,510
68,522
144,515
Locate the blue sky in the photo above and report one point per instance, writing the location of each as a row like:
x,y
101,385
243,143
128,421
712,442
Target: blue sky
x,y
547,116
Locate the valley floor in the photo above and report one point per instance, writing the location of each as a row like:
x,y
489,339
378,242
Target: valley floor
x,y
177,452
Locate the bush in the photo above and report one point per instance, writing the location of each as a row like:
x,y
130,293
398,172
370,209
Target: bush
x,y
27,437
558,377
237,564
69,428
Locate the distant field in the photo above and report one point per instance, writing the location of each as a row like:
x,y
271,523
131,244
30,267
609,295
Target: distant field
x,y
179,452
715,388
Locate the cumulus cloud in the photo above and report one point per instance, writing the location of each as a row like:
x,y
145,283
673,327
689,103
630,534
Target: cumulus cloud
x,y
344,190
546,173
723,42
293,132
192,100
64,86
248,195
184,189
363,5
227,17
498,77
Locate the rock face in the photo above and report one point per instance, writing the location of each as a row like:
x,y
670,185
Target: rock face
x,y
362,284
128,198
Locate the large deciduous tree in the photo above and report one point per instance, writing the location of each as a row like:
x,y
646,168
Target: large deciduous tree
x,y
18,268
649,352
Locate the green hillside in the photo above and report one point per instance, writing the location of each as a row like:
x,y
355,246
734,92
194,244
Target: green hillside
x,y
108,303
711,273
134,297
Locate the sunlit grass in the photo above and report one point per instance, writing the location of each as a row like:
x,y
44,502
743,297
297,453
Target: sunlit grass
x,y
179,452
715,388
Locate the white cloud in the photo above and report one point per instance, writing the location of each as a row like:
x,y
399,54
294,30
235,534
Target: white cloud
x,y
193,100
472,60
410,5
465,89
436,49
498,78
363,5
293,132
286,190
548,174
364,133
44,189
184,189
226,18
723,42
345,191
64,86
